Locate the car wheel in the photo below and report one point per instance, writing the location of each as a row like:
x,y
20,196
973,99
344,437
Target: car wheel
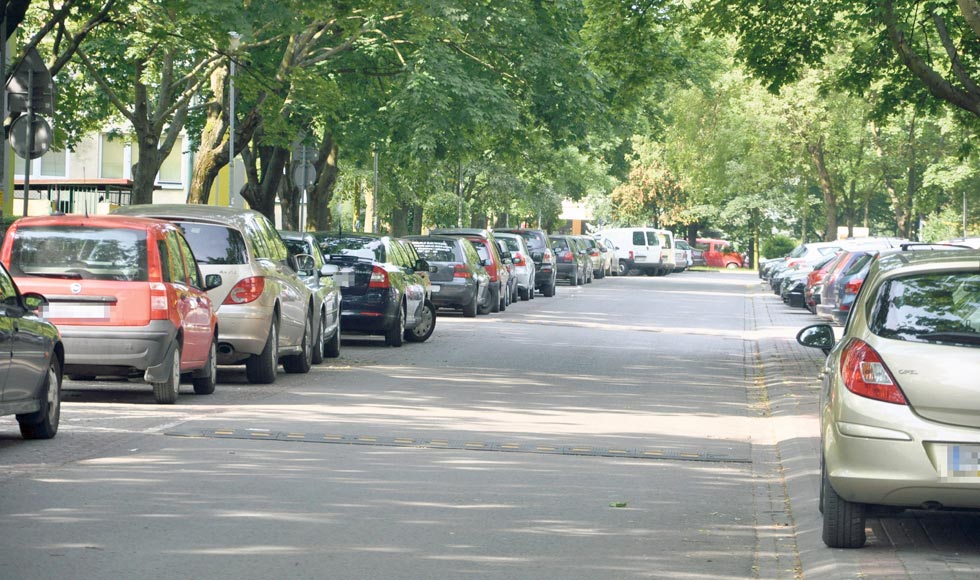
x,y
522,294
495,299
471,307
318,347
623,269
332,348
515,296
43,424
573,281
166,392
549,290
204,385
260,369
843,521
396,334
486,306
426,324
299,364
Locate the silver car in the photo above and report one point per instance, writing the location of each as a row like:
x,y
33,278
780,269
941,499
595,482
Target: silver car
x,y
900,401
520,255
326,293
266,312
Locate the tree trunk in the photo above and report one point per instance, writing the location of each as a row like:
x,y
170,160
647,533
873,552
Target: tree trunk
x,y
321,194
356,222
826,187
289,195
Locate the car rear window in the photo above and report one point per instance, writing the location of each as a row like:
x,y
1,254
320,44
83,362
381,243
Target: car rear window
x,y
930,308
535,241
559,243
512,244
215,244
80,252
436,250
357,246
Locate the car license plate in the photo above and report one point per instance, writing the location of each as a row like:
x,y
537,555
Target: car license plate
x,y
962,462
75,310
436,287
343,279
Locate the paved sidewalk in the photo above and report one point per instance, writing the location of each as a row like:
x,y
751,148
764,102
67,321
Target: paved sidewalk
x,y
914,545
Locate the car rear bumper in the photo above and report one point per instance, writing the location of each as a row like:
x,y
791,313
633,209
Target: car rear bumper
x,y
116,350
453,295
366,314
566,271
244,330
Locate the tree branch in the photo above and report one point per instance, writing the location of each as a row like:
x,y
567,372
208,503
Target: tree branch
x,y
954,57
111,94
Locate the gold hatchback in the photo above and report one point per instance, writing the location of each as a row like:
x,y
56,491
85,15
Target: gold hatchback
x,y
900,403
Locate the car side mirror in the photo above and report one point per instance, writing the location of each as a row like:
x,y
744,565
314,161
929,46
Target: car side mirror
x,y
422,266
817,336
305,264
33,301
212,281
488,262
329,270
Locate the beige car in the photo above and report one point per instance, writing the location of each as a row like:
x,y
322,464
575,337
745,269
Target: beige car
x,y
265,312
900,405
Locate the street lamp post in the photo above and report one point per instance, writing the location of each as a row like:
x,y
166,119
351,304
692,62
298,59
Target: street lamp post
x,y
233,198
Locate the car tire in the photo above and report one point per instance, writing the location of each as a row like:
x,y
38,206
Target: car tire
x,y
843,521
470,308
522,294
574,279
396,334
300,364
623,269
495,299
332,347
549,290
320,344
260,369
425,326
205,385
43,424
166,392
486,306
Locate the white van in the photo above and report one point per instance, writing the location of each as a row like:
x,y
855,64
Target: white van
x,y
642,249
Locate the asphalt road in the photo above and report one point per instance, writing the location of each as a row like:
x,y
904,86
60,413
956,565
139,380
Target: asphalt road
x,y
630,428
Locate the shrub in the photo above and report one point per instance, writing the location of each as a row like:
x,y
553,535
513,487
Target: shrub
x,y
778,246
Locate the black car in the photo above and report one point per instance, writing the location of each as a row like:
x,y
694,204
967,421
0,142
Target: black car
x,y
458,277
384,283
574,263
30,382
545,264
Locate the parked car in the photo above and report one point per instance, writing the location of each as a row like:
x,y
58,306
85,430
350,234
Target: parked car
x,y
574,263
458,279
719,253
126,295
317,275
524,269
265,311
684,255
30,386
637,249
545,264
900,421
486,246
815,281
385,286
511,293
610,263
595,255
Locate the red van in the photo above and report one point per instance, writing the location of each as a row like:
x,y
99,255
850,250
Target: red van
x,y
126,294
719,253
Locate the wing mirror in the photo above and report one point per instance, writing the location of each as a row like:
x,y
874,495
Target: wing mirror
x,y
212,281
329,269
305,264
817,336
33,301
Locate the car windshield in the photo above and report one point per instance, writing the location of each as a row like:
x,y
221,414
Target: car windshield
x,y
215,244
80,253
533,241
930,308
356,246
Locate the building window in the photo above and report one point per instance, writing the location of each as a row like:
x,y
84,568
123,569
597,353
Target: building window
x,y
171,170
113,164
54,164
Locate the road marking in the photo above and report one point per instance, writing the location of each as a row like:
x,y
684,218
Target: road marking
x,y
512,447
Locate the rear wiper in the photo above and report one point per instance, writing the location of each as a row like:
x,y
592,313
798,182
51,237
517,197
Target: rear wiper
x,y
961,337
64,275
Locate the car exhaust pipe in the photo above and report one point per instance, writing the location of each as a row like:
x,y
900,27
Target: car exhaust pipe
x,y
225,349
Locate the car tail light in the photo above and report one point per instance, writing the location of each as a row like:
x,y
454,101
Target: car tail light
x,y
379,278
547,256
247,290
461,271
160,299
566,257
865,374
631,255
853,286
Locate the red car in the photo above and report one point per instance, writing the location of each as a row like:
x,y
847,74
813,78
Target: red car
x,y
719,254
126,294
